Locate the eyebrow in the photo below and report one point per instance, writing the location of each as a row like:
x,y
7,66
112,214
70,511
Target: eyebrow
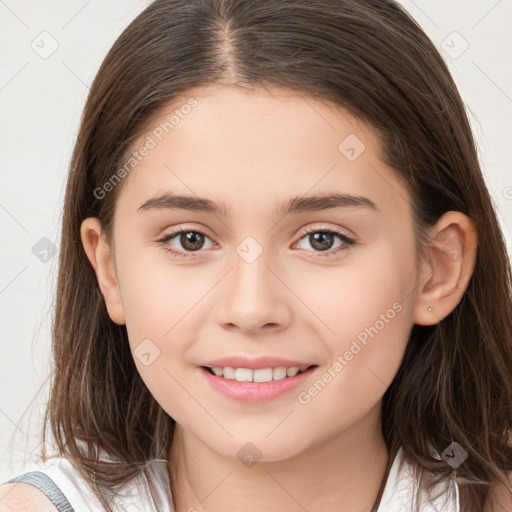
x,y
300,204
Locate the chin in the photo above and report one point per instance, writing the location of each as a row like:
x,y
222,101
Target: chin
x,y
253,449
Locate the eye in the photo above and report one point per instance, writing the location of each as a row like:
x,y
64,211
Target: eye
x,y
322,239
191,240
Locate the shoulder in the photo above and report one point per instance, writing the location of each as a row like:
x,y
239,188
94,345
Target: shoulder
x,y
21,497
499,498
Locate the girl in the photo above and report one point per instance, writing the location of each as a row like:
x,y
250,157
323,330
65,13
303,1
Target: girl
x,y
282,282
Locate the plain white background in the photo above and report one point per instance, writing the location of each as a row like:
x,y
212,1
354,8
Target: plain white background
x,y
50,53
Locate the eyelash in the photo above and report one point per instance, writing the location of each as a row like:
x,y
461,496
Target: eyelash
x,y
180,254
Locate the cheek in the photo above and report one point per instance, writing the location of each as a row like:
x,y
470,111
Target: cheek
x,y
367,290
162,303
365,355
366,312
158,297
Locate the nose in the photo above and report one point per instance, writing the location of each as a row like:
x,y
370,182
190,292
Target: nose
x,y
254,297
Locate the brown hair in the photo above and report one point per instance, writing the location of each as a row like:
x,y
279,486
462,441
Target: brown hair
x,y
373,59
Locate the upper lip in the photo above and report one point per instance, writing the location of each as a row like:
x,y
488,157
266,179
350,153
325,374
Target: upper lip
x,y
255,363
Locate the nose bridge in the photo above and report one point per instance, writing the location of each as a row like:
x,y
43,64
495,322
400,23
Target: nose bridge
x,y
253,297
251,276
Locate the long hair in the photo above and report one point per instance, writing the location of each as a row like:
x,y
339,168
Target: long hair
x,y
372,58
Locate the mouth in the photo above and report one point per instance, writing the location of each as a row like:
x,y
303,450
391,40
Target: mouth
x,y
250,379
256,386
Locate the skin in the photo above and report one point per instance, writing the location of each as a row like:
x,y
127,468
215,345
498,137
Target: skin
x,y
253,150
23,497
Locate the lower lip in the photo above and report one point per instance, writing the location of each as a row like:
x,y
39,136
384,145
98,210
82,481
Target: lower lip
x,y
254,392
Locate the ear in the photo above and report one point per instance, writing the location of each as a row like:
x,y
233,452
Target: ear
x,y
101,256
447,268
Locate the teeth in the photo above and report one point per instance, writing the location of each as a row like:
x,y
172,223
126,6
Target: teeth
x,y
228,373
279,373
262,375
291,372
243,375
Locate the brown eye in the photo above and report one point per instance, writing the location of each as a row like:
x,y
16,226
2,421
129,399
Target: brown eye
x,y
191,240
321,241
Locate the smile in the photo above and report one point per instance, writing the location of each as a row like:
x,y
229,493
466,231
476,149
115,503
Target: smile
x,y
254,386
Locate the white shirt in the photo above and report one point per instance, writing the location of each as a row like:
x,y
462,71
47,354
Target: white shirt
x,y
151,492
402,491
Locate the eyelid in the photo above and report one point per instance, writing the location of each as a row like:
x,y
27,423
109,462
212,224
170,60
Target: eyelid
x,y
325,227
186,227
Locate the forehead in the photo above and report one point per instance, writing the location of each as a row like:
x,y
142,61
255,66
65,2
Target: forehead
x,y
240,146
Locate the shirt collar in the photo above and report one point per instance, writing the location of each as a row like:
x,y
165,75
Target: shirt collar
x,y
402,492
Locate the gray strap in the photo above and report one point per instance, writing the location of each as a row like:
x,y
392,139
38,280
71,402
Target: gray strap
x,y
48,486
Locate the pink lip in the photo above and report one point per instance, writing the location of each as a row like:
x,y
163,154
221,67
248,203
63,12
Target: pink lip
x,y
255,364
255,392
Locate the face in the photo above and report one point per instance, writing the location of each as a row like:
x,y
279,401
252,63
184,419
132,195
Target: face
x,y
328,283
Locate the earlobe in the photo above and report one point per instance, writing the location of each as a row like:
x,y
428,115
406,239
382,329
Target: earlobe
x,y
447,269
101,258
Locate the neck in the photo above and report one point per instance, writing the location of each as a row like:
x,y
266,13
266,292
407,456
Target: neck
x,y
344,472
